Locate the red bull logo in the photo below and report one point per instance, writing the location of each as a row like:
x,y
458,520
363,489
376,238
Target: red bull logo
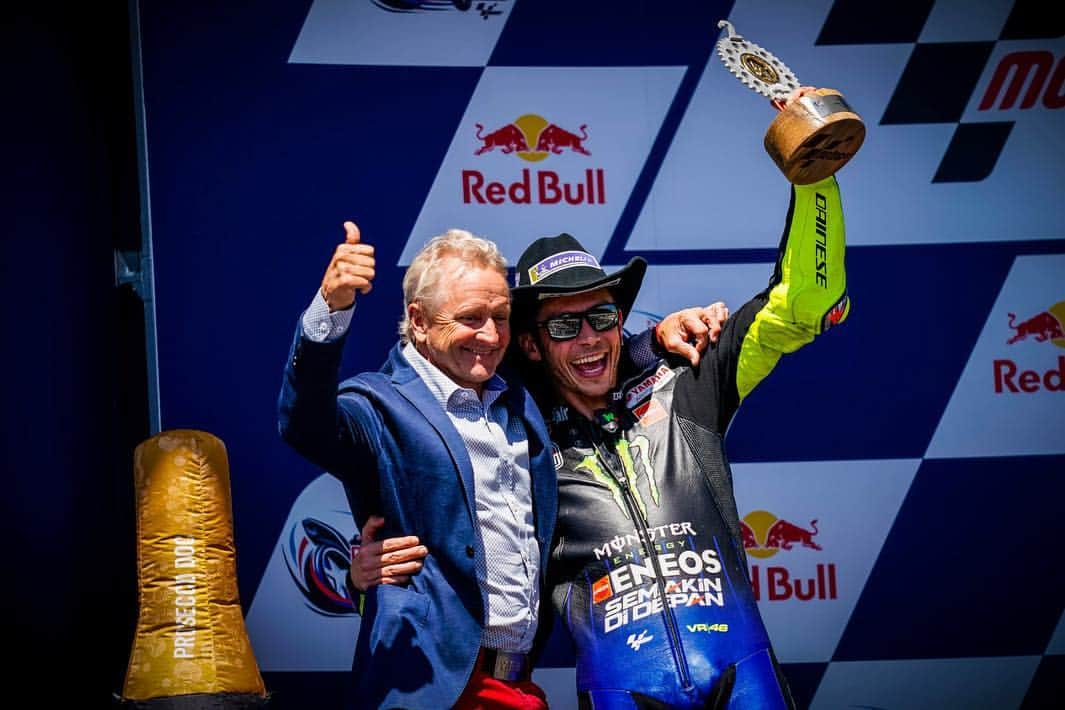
x,y
1041,327
554,139
765,535
533,139
509,139
1048,326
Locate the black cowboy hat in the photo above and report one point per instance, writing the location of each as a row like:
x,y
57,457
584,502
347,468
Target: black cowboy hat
x,y
560,266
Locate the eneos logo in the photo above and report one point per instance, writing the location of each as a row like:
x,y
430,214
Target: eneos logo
x,y
1048,326
533,139
765,535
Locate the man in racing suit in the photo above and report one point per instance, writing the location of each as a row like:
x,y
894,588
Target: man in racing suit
x,y
648,570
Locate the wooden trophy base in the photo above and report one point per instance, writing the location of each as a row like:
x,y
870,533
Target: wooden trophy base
x,y
814,137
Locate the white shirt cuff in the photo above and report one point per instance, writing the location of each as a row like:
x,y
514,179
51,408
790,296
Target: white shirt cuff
x,y
322,326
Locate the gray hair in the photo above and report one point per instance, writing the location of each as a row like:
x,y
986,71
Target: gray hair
x,y
422,280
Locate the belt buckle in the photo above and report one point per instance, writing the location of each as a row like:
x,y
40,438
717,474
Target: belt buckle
x,y
508,666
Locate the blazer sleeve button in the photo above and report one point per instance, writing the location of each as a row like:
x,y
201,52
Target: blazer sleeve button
x,y
469,550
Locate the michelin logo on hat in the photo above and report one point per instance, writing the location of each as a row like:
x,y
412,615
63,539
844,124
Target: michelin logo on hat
x,y
558,262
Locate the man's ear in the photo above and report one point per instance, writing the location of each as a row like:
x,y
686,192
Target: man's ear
x,y
418,322
530,347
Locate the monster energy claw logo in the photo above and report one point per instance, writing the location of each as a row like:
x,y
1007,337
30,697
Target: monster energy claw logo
x,y
624,450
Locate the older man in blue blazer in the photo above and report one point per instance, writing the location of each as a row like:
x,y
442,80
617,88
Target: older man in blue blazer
x,y
444,448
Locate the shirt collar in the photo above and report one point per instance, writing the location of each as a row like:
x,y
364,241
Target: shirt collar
x,y
442,387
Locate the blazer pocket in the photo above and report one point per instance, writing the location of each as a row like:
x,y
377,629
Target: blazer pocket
x,y
400,606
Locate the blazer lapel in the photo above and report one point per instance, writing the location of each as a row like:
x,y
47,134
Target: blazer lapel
x,y
410,385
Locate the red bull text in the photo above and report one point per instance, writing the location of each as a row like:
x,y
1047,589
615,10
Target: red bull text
x,y
1009,379
779,584
546,188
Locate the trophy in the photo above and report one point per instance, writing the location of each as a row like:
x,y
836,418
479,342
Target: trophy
x,y
812,137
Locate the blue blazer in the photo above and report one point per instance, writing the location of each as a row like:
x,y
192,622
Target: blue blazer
x,y
397,453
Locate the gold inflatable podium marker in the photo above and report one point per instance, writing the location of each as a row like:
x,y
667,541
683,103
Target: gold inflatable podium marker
x,y
190,649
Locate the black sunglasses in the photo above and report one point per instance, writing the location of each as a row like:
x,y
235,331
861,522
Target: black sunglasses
x,y
567,326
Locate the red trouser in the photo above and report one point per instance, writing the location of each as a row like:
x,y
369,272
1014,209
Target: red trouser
x,y
484,692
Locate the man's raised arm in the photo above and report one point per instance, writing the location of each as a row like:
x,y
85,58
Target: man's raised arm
x,y
307,408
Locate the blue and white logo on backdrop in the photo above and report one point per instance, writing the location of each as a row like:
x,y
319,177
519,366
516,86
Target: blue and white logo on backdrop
x,y
438,33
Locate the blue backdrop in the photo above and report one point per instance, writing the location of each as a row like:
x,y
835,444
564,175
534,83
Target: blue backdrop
x,y
931,462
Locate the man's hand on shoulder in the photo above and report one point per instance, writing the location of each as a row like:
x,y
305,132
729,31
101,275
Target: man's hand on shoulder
x,y
690,331
351,270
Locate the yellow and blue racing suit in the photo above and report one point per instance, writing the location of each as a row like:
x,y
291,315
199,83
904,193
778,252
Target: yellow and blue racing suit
x,y
648,565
